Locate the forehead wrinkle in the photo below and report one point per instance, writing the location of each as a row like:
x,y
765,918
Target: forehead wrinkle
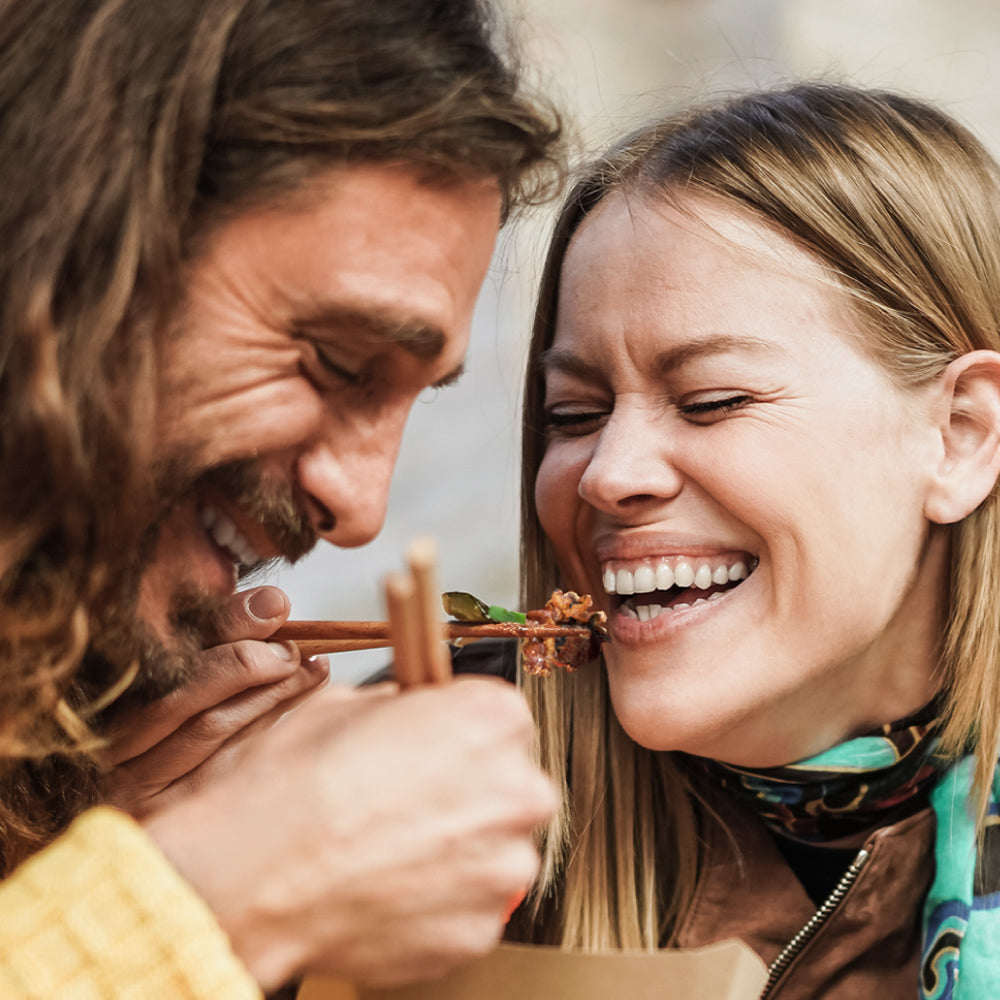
x,y
562,359
722,343
421,339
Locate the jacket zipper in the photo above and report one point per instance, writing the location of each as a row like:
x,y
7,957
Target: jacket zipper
x,y
812,926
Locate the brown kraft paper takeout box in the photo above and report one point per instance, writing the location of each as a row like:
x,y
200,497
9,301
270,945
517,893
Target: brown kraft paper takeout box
x,y
728,970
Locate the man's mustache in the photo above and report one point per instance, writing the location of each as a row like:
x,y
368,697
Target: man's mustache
x,y
121,637
276,505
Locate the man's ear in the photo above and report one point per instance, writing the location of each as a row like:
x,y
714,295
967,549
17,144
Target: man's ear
x,y
969,460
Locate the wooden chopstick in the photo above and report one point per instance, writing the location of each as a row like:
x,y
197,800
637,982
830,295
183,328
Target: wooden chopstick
x,y
416,633
433,656
315,647
314,637
400,597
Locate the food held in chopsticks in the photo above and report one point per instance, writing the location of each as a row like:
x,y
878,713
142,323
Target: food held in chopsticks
x,y
565,633
541,653
466,608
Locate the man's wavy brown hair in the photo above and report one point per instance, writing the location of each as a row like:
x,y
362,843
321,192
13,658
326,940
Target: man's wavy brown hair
x,y
128,128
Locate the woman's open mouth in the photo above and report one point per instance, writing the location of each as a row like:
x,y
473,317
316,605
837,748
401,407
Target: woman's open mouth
x,y
646,588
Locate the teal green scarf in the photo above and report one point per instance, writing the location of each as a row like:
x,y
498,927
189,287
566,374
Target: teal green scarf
x,y
818,799
961,948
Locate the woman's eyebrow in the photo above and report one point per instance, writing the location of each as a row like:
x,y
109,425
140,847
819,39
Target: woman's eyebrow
x,y
562,359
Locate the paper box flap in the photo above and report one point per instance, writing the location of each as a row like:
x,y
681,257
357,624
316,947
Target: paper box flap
x,y
728,970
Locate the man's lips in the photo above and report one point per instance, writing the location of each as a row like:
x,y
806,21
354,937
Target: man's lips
x,y
251,518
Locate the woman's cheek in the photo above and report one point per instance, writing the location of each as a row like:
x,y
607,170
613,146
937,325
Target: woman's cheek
x,y
547,495
558,505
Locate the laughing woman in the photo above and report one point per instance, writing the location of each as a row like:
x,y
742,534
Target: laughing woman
x,y
762,427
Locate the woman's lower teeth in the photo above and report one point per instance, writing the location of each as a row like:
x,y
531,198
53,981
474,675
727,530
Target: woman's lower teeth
x,y
647,612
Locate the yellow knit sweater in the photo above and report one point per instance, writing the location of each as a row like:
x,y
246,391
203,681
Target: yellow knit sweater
x,y
102,915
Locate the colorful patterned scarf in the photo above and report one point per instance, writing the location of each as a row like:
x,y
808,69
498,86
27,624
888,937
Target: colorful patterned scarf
x,y
866,782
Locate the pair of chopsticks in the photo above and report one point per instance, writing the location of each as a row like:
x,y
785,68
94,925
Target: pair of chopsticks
x,y
314,637
413,601
414,629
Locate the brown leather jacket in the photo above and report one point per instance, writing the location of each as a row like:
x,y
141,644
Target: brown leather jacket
x,y
868,948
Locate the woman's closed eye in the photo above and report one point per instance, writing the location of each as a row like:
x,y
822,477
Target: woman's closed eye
x,y
567,421
714,406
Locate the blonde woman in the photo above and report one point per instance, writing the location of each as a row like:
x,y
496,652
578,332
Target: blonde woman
x,y
762,428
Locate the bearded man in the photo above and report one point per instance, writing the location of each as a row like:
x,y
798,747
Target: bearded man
x,y
240,238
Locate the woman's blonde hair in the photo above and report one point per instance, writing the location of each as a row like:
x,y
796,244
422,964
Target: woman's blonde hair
x,y
901,204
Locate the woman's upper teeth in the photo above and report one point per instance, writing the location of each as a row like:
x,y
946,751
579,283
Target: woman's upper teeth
x,y
226,535
673,571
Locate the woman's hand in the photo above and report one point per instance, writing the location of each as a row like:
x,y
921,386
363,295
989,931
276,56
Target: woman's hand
x,y
243,684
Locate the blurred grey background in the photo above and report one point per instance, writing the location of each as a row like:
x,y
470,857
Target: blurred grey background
x,y
611,63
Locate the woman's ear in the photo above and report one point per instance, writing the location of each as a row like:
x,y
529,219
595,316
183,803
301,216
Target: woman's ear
x,y
969,461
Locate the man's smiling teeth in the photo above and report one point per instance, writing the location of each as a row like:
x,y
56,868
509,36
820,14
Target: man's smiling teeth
x,y
227,536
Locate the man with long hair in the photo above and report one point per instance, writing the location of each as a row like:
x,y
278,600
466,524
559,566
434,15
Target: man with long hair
x,y
240,237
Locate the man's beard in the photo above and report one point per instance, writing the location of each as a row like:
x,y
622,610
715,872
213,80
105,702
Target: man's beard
x,y
122,643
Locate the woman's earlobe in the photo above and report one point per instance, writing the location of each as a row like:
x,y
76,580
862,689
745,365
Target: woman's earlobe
x,y
970,436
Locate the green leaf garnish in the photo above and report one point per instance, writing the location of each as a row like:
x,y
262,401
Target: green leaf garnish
x,y
466,608
498,614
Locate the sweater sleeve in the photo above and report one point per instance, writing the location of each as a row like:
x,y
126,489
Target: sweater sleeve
x,y
100,914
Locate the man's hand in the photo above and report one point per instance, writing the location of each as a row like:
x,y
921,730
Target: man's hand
x,y
244,684
374,835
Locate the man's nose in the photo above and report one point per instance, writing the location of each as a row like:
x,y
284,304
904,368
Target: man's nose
x,y
345,474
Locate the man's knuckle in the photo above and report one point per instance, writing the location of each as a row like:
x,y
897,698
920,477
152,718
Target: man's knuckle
x,y
246,654
209,727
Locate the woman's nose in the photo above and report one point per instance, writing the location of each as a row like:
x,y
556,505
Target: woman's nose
x,y
631,466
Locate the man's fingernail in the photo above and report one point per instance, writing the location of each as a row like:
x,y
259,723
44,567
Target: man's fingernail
x,y
266,603
282,649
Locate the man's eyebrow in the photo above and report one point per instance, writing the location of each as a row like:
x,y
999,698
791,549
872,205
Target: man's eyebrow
x,y
424,340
